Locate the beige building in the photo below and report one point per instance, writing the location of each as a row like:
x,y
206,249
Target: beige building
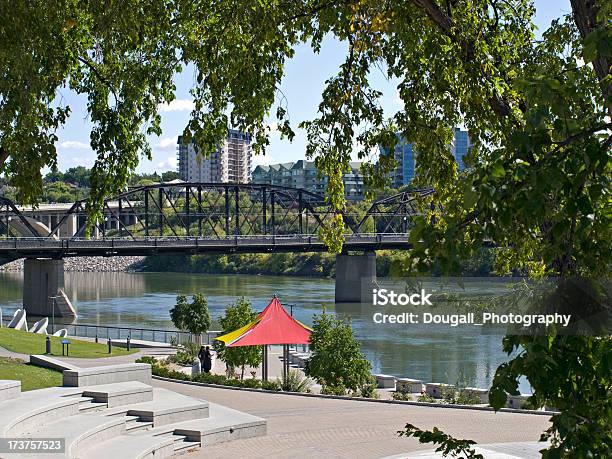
x,y
303,174
231,163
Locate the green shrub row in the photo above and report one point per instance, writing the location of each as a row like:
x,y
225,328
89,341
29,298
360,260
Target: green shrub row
x,y
159,369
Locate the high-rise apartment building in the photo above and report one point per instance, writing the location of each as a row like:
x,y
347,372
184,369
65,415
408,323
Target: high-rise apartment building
x,y
231,163
461,146
303,174
405,155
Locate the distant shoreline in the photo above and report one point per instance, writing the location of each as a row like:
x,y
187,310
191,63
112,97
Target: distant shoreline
x,y
88,264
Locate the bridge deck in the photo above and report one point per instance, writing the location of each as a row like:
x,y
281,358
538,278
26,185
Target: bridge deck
x,y
62,248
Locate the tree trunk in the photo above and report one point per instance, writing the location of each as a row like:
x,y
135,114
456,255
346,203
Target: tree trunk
x,y
4,154
585,16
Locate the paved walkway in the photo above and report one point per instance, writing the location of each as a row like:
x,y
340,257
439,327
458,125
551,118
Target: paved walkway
x,y
13,355
304,427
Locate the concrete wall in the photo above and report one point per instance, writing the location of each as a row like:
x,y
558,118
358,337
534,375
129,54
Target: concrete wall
x,y
355,277
43,279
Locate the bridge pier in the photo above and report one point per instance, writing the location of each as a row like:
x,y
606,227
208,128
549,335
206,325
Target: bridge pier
x,y
355,277
43,279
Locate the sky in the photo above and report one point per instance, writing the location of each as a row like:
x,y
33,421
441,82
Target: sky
x,y
302,84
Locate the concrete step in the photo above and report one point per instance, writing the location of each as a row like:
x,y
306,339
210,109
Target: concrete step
x,y
119,394
183,446
80,432
39,407
45,361
136,425
108,374
9,389
169,424
133,446
91,406
35,408
167,407
223,424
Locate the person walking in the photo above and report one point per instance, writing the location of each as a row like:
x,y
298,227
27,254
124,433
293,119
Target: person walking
x,y
205,359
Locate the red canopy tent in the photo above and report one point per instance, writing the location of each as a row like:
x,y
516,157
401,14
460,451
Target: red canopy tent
x,y
274,325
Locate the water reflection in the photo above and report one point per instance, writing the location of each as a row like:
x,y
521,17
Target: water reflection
x,y
430,353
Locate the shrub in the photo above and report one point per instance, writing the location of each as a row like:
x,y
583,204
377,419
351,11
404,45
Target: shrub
x,y
333,390
336,359
426,398
165,372
294,382
186,355
369,390
404,396
466,398
182,358
210,378
270,385
147,359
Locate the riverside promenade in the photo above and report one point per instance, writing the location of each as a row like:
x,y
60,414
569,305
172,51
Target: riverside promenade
x,y
311,427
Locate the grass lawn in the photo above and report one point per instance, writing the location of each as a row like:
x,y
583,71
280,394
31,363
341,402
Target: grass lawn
x,y
31,343
31,377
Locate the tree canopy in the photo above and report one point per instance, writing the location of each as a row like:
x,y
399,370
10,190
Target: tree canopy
x,y
538,112
193,317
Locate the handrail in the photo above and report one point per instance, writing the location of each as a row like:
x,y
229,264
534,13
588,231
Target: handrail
x,y
135,333
197,238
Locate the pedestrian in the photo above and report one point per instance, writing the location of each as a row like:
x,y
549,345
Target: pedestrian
x,y
205,359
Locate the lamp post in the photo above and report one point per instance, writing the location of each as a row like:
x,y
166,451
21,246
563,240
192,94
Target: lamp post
x,y
8,226
54,297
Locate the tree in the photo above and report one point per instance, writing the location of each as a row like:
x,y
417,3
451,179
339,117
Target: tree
x,y
336,361
168,176
58,192
236,316
193,317
79,176
538,112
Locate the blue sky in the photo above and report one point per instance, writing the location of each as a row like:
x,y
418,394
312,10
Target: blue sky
x,y
303,83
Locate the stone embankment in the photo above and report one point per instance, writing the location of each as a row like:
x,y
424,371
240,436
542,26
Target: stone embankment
x,y
89,264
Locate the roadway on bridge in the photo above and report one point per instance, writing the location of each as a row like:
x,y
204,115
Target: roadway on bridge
x,y
13,248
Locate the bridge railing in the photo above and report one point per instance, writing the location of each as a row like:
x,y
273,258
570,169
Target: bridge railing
x,y
154,241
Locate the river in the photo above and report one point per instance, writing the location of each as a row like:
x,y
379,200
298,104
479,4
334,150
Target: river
x,y
441,354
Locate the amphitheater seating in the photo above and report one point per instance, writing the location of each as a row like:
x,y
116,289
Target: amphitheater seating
x,y
118,418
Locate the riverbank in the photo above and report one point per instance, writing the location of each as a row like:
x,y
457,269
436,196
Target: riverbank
x,y
89,264
309,264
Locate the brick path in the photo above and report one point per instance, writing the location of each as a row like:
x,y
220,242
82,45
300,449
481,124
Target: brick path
x,y
303,427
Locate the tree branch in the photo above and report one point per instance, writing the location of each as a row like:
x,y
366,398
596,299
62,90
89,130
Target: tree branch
x,y
4,154
575,137
585,17
498,104
99,76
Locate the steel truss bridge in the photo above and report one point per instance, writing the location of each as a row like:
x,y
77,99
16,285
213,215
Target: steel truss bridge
x,y
202,218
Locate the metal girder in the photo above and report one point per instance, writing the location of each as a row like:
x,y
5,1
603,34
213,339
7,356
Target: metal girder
x,y
222,210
